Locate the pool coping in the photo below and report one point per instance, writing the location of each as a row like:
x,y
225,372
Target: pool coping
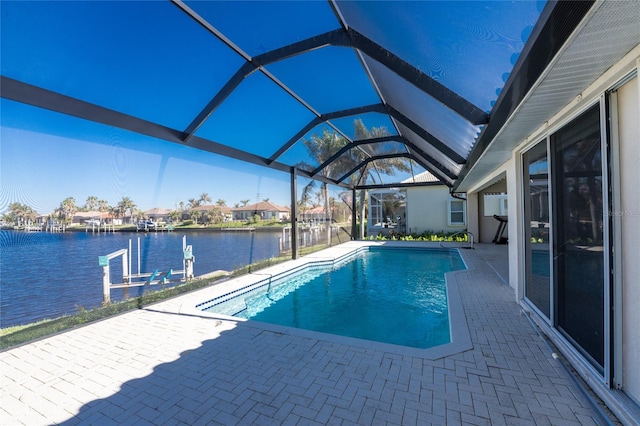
x,y
192,303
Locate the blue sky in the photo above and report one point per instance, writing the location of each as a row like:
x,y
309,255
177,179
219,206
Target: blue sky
x,y
46,157
158,64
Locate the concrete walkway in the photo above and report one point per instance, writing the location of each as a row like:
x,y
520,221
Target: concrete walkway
x,y
158,366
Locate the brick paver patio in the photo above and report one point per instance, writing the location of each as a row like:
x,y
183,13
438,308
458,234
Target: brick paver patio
x,y
159,366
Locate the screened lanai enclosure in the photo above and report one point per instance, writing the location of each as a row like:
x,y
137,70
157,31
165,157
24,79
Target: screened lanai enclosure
x,y
389,81
333,97
320,121
288,111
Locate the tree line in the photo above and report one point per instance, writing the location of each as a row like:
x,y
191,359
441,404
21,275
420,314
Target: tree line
x,y
20,214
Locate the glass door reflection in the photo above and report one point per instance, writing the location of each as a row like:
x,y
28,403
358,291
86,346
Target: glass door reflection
x,y
537,228
578,235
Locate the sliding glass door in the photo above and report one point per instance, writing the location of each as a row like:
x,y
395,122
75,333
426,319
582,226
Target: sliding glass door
x,y
537,228
579,251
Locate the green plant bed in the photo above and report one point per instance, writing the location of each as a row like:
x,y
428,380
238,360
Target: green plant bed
x,y
427,236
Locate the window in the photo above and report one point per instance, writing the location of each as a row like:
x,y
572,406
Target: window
x,y
495,204
457,212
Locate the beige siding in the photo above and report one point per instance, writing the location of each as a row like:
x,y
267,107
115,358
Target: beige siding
x,y
427,210
629,117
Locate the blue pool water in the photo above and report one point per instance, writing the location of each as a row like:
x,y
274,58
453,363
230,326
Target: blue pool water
x,y
392,296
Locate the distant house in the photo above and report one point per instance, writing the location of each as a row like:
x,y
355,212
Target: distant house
x,y
225,211
158,214
83,218
42,219
316,214
95,217
265,209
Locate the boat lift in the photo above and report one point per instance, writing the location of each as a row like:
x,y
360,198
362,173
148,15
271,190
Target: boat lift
x,y
141,279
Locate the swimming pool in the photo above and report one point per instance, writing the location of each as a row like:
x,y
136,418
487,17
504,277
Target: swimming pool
x,y
391,295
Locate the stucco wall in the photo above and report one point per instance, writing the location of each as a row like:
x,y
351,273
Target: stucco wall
x,y
629,117
473,225
427,210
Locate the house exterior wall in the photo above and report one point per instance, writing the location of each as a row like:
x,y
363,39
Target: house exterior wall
x,y
473,218
264,215
427,210
280,215
159,217
629,217
624,218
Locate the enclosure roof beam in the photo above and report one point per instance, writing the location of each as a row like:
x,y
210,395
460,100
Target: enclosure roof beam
x,y
442,170
353,145
325,117
43,98
376,157
419,79
428,137
400,185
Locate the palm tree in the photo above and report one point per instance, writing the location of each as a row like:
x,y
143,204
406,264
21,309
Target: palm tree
x,y
322,147
91,203
19,213
103,206
175,215
137,213
244,202
305,198
114,212
194,214
14,215
29,214
204,199
192,204
213,216
126,205
67,209
220,202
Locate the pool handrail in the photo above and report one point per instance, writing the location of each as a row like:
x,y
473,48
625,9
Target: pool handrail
x,y
463,232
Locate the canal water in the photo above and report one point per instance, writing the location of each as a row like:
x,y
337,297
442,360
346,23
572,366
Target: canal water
x,y
46,275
